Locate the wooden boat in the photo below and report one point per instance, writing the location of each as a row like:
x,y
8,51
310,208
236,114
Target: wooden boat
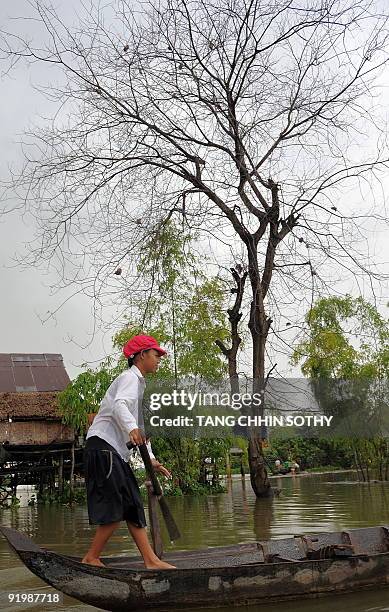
x,y
257,572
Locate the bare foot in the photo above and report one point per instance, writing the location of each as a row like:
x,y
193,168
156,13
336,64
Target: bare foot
x,y
92,561
158,564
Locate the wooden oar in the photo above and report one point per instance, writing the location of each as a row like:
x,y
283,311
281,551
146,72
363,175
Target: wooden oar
x,y
171,525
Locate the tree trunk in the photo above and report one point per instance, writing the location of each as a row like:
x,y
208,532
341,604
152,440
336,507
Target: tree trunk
x,y
258,473
228,466
359,465
203,474
14,485
50,476
380,458
41,481
174,338
242,472
387,470
259,326
215,473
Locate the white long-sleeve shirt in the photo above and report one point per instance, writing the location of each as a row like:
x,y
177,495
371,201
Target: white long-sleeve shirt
x,y
121,411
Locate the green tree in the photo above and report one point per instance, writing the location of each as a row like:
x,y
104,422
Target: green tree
x,y
246,120
185,310
84,394
346,337
345,353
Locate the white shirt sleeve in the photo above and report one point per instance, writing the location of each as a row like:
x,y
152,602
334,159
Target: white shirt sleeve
x,y
124,412
126,404
126,408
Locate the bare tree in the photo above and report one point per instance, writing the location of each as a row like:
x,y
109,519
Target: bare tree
x,y
252,120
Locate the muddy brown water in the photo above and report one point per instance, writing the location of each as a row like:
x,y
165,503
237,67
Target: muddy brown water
x,y
308,504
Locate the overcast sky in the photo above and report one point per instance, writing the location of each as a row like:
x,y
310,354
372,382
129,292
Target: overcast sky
x,y
26,297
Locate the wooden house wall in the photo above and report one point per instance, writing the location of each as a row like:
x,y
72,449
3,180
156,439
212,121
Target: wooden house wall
x,y
34,432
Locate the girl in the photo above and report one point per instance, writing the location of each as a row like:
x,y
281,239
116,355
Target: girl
x,y
112,490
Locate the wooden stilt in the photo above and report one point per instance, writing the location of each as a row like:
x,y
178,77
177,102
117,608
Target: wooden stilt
x,y
60,474
71,480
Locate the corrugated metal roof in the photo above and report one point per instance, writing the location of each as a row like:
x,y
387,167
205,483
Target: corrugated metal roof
x,y
23,372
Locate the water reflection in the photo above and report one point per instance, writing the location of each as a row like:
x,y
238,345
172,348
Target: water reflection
x,y
308,504
263,518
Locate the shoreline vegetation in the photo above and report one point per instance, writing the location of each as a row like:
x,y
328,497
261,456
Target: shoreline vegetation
x,y
200,467
173,491
210,486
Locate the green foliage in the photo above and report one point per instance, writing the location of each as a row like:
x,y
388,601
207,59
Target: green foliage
x,y
67,496
186,312
184,458
203,322
328,351
216,448
347,341
84,394
181,457
166,256
183,308
310,453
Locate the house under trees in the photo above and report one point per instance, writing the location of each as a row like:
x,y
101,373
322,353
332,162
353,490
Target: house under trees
x,y
35,447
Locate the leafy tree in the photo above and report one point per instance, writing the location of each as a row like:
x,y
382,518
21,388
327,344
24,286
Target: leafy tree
x,y
333,325
185,310
185,307
216,449
346,355
84,394
246,120
203,323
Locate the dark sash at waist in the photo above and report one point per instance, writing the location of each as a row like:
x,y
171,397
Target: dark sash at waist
x,y
96,443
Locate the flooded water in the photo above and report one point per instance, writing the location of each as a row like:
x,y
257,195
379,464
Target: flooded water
x,y
307,504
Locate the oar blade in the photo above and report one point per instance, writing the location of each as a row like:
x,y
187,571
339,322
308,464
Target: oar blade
x,y
171,525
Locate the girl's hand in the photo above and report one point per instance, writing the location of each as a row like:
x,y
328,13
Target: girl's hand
x,y
158,467
137,437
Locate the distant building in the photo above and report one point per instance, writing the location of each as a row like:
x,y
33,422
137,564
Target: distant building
x,y
29,416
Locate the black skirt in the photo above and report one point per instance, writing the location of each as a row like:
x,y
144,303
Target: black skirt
x,y
112,490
